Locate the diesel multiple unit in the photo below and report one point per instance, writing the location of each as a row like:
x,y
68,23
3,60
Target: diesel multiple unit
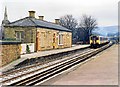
x,y
97,41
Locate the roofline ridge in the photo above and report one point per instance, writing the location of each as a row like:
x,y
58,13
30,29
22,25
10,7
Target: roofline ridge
x,y
47,21
41,20
52,23
33,21
18,20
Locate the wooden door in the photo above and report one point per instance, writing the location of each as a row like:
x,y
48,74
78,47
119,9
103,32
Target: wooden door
x,y
54,41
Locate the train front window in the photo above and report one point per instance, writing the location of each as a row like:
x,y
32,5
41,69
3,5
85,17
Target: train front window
x,y
94,38
97,38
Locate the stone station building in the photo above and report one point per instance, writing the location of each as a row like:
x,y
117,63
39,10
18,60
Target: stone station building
x,y
44,35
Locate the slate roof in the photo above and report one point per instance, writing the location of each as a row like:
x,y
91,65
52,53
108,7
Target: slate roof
x,y
33,22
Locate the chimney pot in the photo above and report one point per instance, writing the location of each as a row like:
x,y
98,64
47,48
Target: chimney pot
x,y
31,13
41,17
57,21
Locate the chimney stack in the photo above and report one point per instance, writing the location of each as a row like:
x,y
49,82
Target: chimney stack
x,y
31,13
57,21
41,17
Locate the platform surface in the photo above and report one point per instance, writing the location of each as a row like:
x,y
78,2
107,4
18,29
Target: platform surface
x,y
101,70
39,54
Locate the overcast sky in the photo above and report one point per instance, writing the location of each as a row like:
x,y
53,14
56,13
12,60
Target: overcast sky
x,y
105,11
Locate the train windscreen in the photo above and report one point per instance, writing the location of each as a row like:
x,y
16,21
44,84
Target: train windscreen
x,y
94,38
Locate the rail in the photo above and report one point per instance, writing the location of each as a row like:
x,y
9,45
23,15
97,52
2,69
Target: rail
x,y
36,76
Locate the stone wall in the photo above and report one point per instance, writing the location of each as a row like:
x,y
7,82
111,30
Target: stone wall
x,y
9,51
46,38
29,34
49,39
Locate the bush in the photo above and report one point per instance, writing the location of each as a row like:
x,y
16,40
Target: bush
x,y
27,49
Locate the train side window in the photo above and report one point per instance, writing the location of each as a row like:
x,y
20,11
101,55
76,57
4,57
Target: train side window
x,y
101,38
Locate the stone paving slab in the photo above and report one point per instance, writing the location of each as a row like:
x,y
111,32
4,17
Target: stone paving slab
x,y
39,54
101,70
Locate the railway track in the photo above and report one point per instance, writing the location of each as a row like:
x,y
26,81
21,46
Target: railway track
x,y
38,65
15,74
35,75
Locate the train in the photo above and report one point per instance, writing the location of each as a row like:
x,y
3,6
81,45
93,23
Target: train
x,y
98,41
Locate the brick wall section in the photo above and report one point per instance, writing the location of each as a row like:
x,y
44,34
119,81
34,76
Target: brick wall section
x,y
9,53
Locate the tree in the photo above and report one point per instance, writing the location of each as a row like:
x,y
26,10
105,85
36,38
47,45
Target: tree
x,y
87,24
69,22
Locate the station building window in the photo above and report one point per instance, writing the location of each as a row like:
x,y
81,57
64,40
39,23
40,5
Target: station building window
x,y
48,38
60,39
19,35
42,39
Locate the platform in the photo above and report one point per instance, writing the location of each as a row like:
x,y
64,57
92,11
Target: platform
x,y
39,54
100,70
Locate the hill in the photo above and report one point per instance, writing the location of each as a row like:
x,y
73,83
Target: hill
x,y
105,31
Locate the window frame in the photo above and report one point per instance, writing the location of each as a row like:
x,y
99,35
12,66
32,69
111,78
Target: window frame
x,y
19,35
60,34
